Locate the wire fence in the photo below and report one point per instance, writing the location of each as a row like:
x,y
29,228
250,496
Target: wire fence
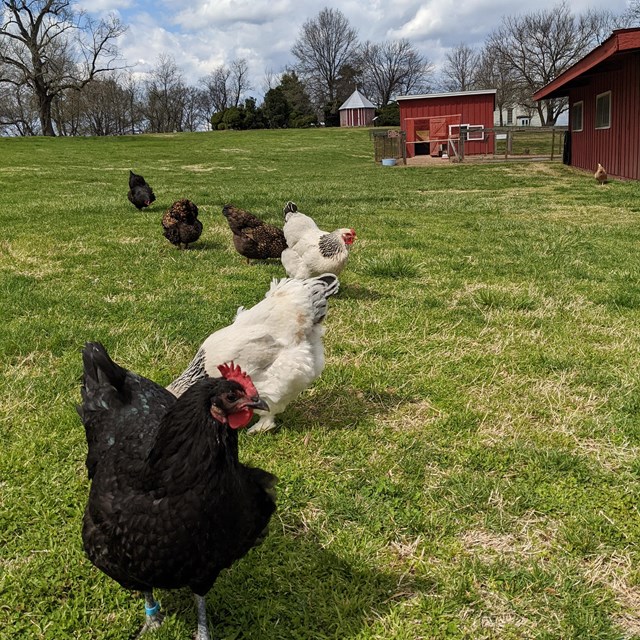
x,y
477,144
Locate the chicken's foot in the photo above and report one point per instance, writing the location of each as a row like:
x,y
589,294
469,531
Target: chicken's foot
x,y
154,617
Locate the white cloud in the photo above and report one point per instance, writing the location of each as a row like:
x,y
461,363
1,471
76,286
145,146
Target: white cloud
x,y
104,6
220,14
202,34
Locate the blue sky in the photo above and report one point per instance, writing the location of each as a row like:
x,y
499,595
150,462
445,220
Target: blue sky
x,y
202,34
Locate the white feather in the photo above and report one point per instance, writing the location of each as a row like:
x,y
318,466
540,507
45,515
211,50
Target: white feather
x,y
302,257
278,342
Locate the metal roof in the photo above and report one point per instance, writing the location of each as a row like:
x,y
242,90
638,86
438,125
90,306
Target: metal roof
x,y
620,41
450,94
357,101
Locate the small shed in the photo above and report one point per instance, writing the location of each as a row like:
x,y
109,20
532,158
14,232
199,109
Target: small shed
x,y
435,122
604,102
357,111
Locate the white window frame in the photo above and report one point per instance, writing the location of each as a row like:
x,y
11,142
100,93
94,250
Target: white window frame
x,y
608,125
472,131
580,103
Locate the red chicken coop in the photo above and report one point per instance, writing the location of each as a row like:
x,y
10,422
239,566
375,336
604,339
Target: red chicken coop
x,y
448,124
603,89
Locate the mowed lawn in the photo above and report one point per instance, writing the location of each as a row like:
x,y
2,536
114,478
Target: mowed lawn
x,y
466,466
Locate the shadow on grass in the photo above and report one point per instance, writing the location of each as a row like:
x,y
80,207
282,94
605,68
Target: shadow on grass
x,y
333,409
295,588
354,291
206,245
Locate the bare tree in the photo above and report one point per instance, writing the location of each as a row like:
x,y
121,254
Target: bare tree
x,y
460,69
271,80
165,97
239,80
51,48
633,12
18,111
216,90
196,116
134,94
540,46
67,113
327,43
392,68
225,87
496,73
106,106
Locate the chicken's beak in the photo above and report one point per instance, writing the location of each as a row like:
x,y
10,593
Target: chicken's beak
x,y
257,403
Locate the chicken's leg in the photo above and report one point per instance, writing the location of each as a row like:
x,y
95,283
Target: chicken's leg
x,y
266,423
152,610
203,628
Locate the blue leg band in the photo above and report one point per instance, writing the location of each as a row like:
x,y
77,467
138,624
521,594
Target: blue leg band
x,y
151,611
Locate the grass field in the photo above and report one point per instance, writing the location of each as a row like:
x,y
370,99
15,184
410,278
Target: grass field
x,y
467,465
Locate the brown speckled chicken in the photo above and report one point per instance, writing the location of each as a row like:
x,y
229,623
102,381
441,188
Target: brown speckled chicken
x,y
180,223
252,237
600,175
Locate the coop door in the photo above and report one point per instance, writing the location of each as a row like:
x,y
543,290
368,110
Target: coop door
x,y
439,134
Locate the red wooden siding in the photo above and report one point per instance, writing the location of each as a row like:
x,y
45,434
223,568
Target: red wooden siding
x,y
356,117
616,148
473,109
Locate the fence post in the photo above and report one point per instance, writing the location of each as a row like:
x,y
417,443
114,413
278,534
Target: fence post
x,y
553,141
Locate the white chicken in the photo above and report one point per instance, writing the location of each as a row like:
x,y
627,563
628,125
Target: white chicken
x,y
278,342
311,251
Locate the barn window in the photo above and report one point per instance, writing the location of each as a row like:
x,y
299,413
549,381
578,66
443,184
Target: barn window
x,y
576,116
603,110
509,116
472,131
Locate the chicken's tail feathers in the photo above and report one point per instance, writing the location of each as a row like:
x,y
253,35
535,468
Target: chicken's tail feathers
x,y
332,283
322,287
100,369
103,380
289,208
135,180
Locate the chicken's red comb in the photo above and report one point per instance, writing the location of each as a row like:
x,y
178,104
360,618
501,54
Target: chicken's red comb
x,y
234,372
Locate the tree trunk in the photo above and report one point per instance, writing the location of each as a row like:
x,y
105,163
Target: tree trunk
x,y
541,112
46,122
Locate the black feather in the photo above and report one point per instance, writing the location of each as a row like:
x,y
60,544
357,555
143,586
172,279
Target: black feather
x,y
170,504
140,193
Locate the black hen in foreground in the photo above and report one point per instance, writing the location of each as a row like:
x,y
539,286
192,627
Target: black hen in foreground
x,y
180,223
253,238
140,193
170,504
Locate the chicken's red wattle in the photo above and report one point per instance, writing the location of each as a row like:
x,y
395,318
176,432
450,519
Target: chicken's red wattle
x,y
240,419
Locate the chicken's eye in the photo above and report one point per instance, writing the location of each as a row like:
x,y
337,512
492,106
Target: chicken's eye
x,y
232,396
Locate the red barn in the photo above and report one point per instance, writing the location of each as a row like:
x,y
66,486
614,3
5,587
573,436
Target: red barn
x,y
604,106
433,122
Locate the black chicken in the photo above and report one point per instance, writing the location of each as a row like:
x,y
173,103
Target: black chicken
x,y
252,237
170,505
140,193
180,223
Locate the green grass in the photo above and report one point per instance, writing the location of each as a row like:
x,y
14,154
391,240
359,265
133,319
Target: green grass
x,y
535,141
467,465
